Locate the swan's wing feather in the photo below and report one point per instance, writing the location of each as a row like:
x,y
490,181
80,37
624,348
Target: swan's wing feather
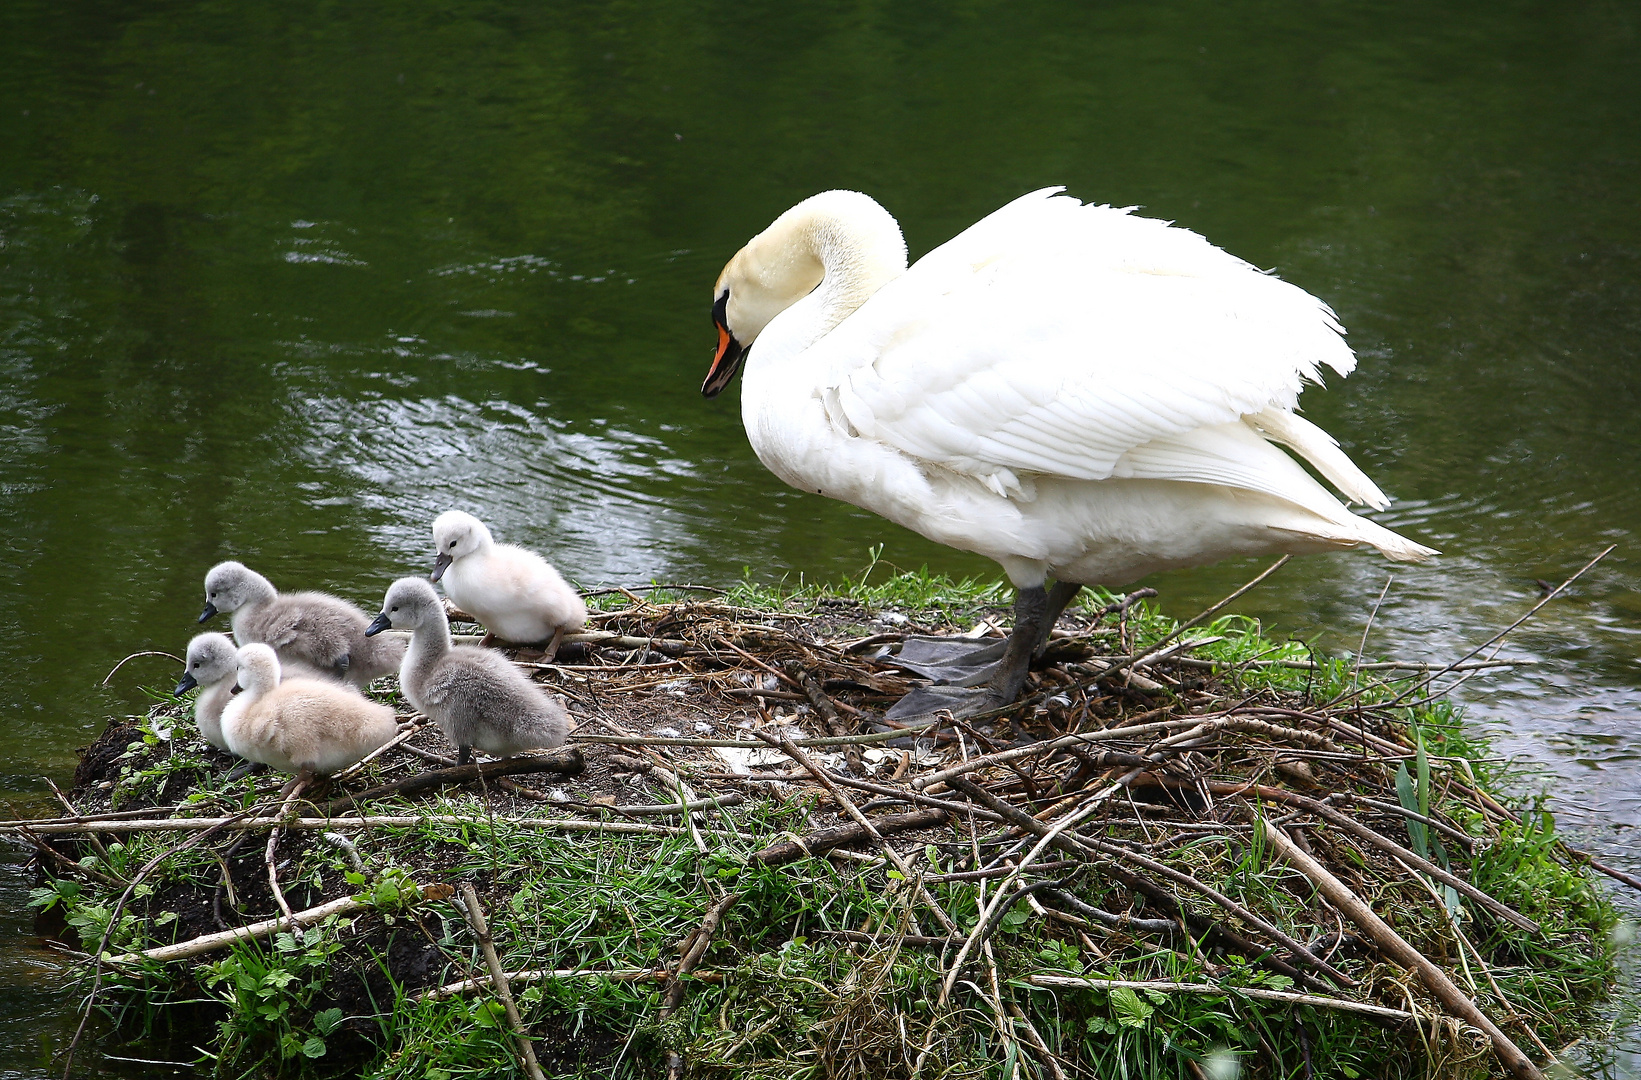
x,y
1058,338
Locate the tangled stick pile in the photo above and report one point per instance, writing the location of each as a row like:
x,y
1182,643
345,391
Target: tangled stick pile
x,y
1184,846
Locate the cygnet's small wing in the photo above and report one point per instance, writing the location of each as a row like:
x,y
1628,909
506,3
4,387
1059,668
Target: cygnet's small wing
x,y
315,626
1055,338
479,699
533,582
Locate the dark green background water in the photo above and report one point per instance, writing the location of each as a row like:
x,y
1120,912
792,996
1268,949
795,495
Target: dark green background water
x,y
281,281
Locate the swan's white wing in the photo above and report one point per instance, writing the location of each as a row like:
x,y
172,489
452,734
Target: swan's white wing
x,y
1061,339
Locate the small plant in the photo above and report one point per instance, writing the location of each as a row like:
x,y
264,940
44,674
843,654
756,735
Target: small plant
x,y
269,993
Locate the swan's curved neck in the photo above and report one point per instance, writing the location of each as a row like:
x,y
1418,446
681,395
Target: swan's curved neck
x,y
857,264
820,261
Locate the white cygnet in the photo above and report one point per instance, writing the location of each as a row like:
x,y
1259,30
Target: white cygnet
x,y
210,665
476,696
514,592
308,727
314,628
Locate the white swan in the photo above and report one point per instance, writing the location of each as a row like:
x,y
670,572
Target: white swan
x,y
1071,390
309,727
312,628
477,697
515,593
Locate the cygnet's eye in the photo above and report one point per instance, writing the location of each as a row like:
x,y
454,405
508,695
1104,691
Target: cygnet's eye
x,y
395,607
452,545
213,596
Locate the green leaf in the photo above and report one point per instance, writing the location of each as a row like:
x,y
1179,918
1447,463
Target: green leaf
x,y
354,878
1129,1010
1423,764
488,1014
1440,850
1410,801
278,977
314,1047
327,1021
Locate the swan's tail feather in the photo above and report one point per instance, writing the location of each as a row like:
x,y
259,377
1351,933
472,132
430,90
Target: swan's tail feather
x,y
1396,547
1352,530
1319,448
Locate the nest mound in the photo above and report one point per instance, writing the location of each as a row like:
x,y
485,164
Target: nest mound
x,y
1157,863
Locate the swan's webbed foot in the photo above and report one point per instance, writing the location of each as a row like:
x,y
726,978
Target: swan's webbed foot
x,y
973,677
245,768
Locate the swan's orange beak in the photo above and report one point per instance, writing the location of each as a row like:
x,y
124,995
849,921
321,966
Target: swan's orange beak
x,y
725,364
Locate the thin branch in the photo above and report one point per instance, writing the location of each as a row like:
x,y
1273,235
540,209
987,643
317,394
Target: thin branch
x,y
1396,948
133,656
498,980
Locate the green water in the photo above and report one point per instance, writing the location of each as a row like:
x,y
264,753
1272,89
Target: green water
x,y
282,281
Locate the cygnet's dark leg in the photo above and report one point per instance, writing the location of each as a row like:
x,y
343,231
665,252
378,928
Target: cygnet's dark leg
x,y
552,646
341,666
245,768
294,787
464,754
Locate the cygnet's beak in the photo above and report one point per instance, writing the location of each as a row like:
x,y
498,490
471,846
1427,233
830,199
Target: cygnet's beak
x,y
441,563
725,364
188,683
235,689
382,623
209,612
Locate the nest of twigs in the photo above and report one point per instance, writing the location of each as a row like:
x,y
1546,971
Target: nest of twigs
x,y
1164,852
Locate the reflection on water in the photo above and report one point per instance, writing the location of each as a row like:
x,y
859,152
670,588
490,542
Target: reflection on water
x,y
605,502
282,282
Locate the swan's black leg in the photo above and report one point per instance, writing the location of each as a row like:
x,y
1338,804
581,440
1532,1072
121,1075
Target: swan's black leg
x,y
983,675
1030,608
464,755
1058,598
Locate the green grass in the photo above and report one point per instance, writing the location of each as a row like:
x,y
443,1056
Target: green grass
x,y
897,590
